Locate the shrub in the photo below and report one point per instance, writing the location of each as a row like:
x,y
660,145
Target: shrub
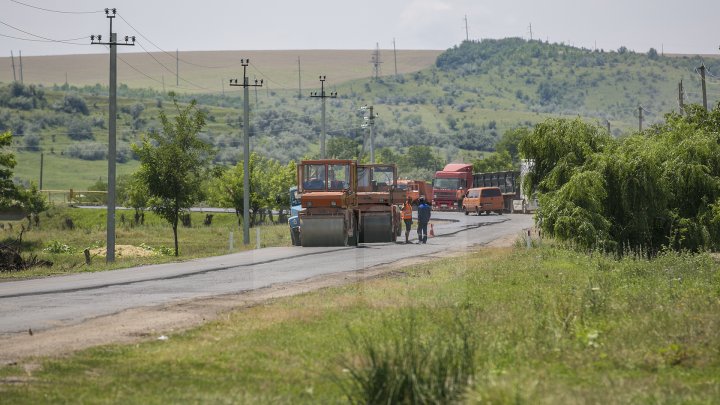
x,y
80,130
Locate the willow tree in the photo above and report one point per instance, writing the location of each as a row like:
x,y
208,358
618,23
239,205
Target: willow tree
x,y
652,190
173,164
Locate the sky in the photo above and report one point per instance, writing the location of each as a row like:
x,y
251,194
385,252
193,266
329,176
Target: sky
x,y
689,27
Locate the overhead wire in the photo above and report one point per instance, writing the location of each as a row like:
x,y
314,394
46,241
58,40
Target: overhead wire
x,y
56,11
44,38
175,57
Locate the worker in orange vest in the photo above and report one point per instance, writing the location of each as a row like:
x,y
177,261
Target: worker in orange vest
x,y
407,217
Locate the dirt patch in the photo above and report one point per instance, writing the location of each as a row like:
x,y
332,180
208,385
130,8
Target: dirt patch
x,y
124,251
146,323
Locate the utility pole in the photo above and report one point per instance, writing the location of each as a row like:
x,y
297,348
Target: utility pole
x,y
322,97
163,80
608,127
702,79
530,28
246,147
370,122
640,111
681,97
12,57
177,67
467,33
375,60
42,161
395,53
299,81
21,69
112,118
222,84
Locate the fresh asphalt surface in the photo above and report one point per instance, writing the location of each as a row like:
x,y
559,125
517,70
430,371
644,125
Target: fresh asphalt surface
x,y
46,303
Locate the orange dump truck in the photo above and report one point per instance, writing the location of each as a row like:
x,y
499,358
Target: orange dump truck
x,y
415,189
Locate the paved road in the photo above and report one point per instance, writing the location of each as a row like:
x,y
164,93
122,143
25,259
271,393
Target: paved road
x,y
58,301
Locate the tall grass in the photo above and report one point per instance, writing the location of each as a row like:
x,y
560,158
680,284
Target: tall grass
x,y
408,366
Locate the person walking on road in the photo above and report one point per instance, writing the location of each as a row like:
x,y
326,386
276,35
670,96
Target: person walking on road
x,y
423,219
407,217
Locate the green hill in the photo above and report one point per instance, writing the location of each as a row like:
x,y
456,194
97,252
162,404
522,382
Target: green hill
x,y
459,107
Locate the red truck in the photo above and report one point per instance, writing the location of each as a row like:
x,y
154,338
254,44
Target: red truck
x,y
446,184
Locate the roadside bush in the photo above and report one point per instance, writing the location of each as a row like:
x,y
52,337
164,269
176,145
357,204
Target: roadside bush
x,y
73,104
32,142
80,130
87,151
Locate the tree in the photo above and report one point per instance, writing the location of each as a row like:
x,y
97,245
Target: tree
x,y
173,163
8,190
342,148
510,142
494,162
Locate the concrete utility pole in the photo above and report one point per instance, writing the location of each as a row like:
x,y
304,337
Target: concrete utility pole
x,y
246,146
608,128
42,161
530,28
112,118
299,81
640,111
702,79
23,82
681,98
370,122
467,33
395,53
322,97
12,57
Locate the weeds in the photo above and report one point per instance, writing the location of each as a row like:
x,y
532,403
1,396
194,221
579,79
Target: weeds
x,y
410,366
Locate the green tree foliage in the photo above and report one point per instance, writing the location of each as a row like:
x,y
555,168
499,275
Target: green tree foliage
x,y
173,164
341,147
660,189
494,162
8,190
12,195
18,96
269,184
510,142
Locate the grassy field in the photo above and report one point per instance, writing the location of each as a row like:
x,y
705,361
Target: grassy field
x,y
89,232
544,326
210,71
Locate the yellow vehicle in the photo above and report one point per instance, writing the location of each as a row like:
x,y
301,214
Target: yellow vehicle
x,y
483,199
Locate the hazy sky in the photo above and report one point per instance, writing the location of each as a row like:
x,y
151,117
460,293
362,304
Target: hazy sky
x,y
673,26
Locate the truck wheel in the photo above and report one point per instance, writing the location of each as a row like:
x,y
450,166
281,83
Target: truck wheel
x,y
466,211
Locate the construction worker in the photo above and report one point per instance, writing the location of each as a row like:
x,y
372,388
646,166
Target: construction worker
x,y
423,219
460,194
407,217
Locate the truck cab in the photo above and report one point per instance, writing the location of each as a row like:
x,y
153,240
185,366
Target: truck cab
x,y
446,184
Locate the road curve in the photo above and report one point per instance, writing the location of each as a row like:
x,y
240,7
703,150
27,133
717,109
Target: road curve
x,y
42,304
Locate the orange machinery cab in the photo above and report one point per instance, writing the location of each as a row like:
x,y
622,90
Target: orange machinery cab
x,y
378,184
483,199
327,183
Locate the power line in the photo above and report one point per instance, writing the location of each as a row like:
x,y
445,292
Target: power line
x,y
47,40
39,36
56,11
174,56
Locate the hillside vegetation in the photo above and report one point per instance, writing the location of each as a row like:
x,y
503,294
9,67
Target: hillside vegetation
x,y
455,110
